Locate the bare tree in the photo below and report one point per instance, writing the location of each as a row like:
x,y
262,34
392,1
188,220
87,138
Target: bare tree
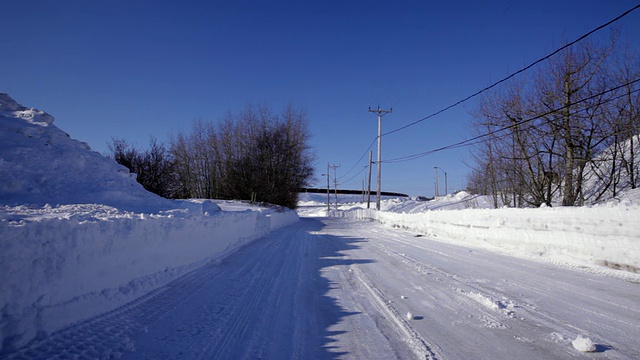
x,y
574,123
254,155
627,70
569,84
153,167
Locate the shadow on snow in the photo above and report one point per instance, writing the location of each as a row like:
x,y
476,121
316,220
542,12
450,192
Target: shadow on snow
x,y
270,299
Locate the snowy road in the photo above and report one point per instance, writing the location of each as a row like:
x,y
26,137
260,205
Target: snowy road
x,y
336,288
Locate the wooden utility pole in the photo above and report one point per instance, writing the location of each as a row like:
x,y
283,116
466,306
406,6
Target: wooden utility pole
x,y
437,181
328,190
335,182
369,181
380,113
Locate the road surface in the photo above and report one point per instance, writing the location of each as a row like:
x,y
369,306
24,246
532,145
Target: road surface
x,y
329,288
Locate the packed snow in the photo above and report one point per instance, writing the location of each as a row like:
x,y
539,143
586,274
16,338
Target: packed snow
x,y
583,344
598,237
79,236
94,266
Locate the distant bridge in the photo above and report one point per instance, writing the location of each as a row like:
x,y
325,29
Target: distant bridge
x,y
349,192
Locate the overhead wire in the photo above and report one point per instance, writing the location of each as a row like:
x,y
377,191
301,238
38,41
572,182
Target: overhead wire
x,y
359,160
477,139
617,18
515,73
356,175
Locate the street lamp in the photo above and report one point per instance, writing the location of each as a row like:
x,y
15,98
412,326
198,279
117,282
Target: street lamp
x,y
446,190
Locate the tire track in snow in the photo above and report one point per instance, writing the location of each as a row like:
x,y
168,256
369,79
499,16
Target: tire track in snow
x,y
265,292
255,283
109,335
464,287
417,343
507,308
482,299
227,328
252,312
523,318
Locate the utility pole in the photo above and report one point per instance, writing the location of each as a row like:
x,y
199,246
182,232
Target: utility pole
x,y
437,181
380,113
328,189
369,181
335,182
446,190
364,185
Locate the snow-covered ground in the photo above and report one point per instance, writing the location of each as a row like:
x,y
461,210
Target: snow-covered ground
x,y
79,236
605,235
335,288
93,266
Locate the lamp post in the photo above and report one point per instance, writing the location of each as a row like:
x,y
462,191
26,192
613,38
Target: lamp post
x,y
446,190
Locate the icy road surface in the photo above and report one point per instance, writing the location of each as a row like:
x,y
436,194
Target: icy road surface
x,y
336,289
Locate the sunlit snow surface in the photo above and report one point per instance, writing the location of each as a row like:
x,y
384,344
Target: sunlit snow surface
x,y
603,238
80,237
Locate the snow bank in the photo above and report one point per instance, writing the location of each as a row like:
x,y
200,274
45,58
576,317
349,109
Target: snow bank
x,y
65,264
604,235
459,200
40,164
313,202
104,240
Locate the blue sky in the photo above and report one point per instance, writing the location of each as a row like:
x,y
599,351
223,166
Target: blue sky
x,y
131,69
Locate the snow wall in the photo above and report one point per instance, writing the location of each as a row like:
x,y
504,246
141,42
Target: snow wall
x,y
608,236
74,268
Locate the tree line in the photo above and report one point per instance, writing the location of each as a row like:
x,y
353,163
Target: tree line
x,y
572,123
255,155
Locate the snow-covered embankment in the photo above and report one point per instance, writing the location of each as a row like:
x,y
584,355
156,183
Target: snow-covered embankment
x,y
108,241
97,258
587,235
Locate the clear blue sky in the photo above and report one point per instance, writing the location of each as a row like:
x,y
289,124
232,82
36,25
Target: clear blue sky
x,y
131,69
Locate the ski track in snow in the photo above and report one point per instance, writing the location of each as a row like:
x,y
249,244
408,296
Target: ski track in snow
x,y
337,288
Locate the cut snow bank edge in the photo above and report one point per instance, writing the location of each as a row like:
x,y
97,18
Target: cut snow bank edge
x,y
608,236
71,269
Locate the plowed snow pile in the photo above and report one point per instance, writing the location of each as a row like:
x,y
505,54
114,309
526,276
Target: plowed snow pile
x,y
602,237
79,236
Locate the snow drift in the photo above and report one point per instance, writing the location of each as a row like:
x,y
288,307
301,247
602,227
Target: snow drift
x,y
79,236
41,164
604,235
57,271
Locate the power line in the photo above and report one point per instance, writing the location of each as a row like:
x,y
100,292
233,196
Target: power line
x,y
516,73
488,88
359,160
477,139
354,176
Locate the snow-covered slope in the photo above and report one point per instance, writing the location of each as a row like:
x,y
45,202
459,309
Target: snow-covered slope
x,y
79,236
597,188
40,164
408,205
457,201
